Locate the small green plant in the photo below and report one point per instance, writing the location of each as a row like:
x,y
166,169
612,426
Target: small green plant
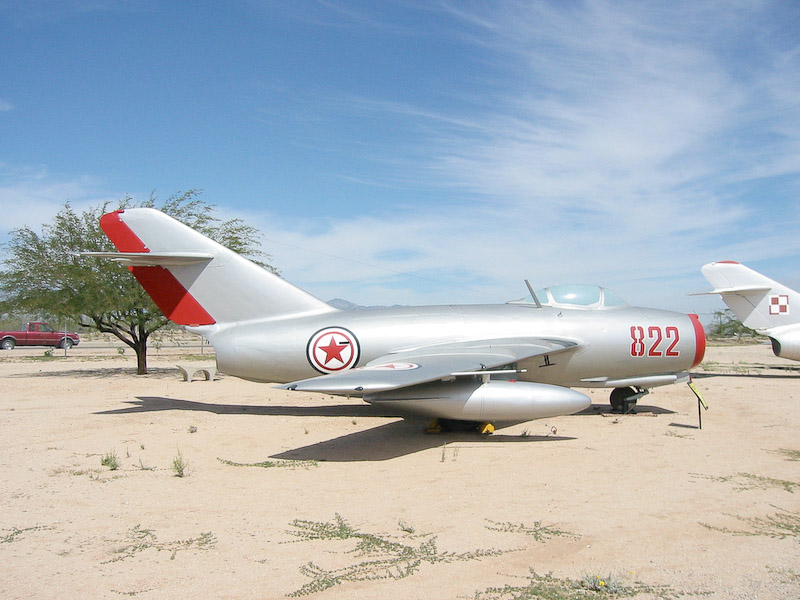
x,y
405,528
110,460
793,455
547,587
539,532
131,594
192,429
387,557
749,481
15,533
179,465
607,584
783,524
48,353
140,540
121,350
786,575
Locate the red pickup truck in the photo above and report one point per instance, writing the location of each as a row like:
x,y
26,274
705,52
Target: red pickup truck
x,y
38,334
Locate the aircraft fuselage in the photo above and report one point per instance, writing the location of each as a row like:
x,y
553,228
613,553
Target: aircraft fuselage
x,y
613,344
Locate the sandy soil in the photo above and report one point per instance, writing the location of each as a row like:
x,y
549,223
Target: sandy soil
x,y
647,498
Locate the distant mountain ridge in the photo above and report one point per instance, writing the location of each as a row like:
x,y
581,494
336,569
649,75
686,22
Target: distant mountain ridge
x,y
342,304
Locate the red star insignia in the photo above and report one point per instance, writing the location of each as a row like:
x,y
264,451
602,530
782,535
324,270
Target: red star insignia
x,y
333,350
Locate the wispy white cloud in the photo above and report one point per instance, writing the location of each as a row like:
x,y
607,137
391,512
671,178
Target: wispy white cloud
x,y
613,145
30,196
618,143
5,105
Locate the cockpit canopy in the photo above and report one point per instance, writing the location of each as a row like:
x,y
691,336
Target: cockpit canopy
x,y
575,296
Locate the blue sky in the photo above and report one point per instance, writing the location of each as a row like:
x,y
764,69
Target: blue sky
x,y
425,152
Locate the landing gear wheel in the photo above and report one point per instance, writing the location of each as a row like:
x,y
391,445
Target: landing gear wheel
x,y
434,427
623,400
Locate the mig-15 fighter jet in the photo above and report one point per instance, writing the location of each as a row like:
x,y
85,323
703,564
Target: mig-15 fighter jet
x,y
479,363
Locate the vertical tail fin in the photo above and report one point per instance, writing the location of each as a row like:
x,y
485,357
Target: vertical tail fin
x,y
194,280
758,301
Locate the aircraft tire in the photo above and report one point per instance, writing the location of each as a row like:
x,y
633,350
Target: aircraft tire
x,y
620,399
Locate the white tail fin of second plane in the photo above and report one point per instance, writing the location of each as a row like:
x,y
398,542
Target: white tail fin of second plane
x,y
194,280
758,301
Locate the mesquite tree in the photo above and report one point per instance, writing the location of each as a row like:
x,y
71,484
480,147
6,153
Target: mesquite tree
x,y
43,273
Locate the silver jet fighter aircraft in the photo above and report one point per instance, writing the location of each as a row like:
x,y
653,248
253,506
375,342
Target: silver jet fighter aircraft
x,y
480,363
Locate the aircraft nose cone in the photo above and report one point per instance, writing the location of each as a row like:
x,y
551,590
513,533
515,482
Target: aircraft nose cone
x,y
699,341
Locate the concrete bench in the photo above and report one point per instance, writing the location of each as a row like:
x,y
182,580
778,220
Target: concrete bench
x,y
188,373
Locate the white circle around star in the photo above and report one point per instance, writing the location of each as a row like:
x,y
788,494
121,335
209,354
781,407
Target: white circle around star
x,y
333,349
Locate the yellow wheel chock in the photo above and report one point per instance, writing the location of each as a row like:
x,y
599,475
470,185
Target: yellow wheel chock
x,y
434,427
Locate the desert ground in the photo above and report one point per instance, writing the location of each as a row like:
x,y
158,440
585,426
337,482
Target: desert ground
x,y
286,494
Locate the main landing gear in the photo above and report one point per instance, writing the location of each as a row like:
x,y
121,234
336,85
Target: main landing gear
x,y
440,425
623,400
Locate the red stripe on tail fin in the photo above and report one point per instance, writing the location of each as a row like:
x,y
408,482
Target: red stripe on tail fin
x,y
174,300
171,297
119,233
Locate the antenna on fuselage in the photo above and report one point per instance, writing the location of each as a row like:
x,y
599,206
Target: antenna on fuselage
x,y
533,294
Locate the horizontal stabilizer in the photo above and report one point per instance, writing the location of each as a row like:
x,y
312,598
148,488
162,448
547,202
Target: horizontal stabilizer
x,y
741,290
152,259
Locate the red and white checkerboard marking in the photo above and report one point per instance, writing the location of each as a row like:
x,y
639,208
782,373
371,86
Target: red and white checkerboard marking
x,y
779,305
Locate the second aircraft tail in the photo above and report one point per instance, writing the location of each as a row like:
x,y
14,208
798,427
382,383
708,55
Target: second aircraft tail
x,y
758,301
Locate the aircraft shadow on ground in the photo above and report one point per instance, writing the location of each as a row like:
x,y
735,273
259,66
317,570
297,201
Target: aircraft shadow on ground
x,y
158,403
641,409
383,442
788,375
401,438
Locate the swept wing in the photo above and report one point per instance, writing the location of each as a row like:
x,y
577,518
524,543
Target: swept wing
x,y
431,363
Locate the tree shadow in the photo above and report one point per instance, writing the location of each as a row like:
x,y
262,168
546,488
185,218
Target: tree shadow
x,y
107,372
